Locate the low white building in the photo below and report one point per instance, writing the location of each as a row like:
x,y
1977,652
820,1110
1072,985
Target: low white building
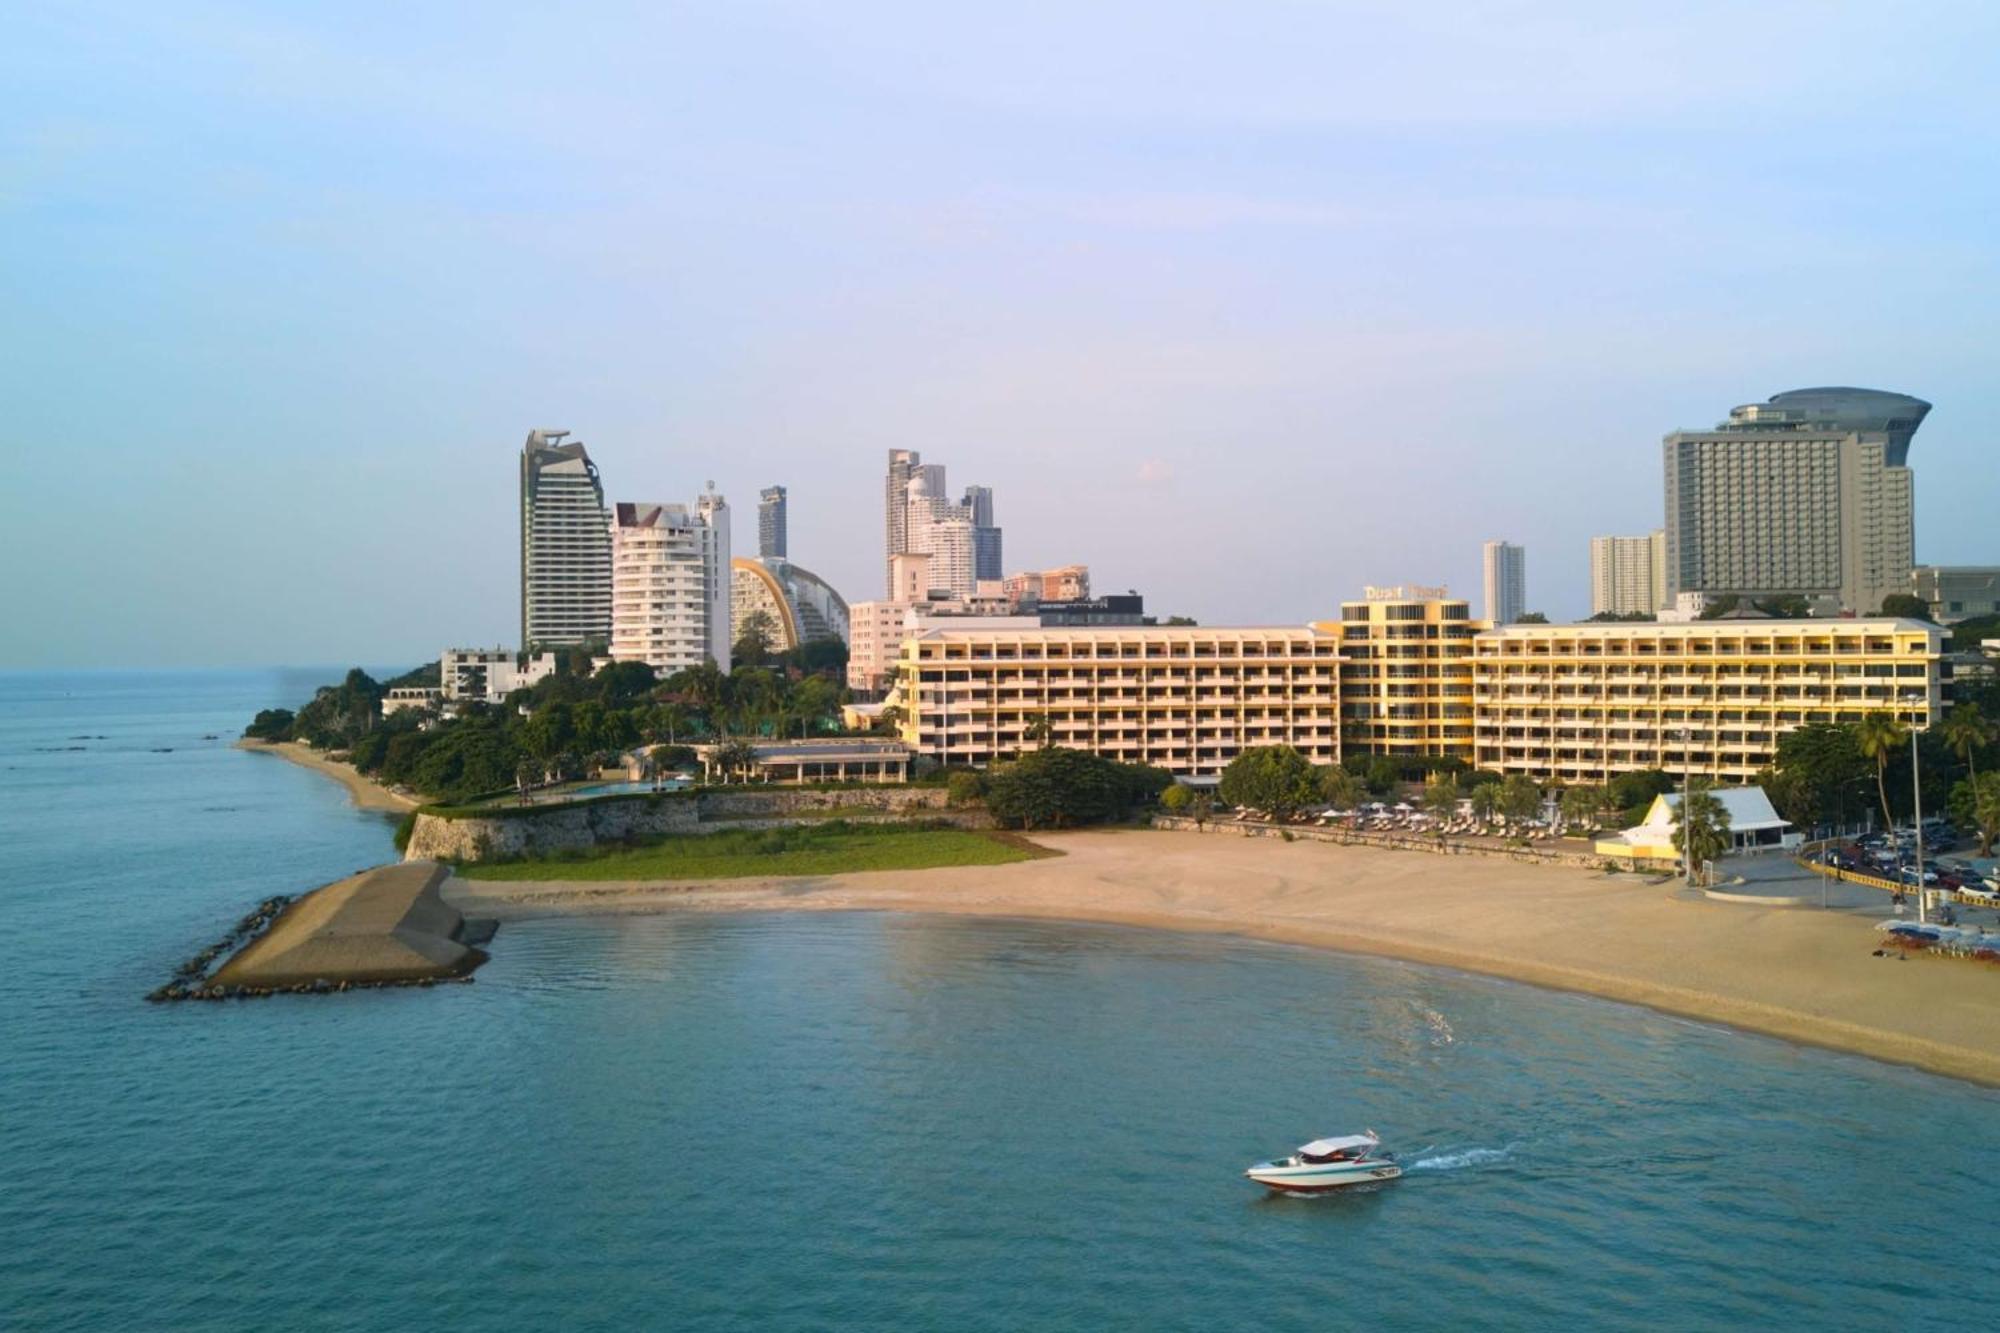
x,y
489,675
410,696
1754,826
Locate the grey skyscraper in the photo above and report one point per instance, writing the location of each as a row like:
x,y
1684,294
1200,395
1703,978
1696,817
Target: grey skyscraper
x,y
771,523
565,545
986,555
1506,582
1809,494
903,464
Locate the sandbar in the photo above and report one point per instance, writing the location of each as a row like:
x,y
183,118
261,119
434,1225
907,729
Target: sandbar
x,y
366,793
1797,973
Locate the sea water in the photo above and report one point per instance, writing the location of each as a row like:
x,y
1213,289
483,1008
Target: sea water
x,y
872,1120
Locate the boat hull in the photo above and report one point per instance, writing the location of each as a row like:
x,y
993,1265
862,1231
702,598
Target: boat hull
x,y
1321,1179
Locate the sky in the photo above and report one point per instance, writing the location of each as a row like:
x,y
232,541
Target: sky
x,y
1244,305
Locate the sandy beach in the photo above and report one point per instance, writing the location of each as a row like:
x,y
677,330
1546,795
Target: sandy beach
x,y
1800,974
366,793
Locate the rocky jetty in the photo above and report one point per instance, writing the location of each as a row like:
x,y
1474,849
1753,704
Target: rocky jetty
x,y
383,927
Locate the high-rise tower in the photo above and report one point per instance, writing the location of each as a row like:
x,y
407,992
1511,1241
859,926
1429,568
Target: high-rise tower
x,y
1809,494
903,464
1506,582
986,552
771,523
1628,575
565,545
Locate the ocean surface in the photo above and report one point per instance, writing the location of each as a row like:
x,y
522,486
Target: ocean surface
x,y
870,1121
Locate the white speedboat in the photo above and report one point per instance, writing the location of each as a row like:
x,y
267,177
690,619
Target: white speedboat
x,y
1328,1164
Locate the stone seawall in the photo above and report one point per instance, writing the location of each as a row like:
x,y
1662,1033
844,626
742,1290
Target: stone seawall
x,y
562,828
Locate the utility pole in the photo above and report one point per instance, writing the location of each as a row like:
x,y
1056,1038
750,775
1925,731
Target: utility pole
x,y
1917,789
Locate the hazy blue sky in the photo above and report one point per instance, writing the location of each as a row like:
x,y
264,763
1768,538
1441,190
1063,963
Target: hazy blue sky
x,y
1243,304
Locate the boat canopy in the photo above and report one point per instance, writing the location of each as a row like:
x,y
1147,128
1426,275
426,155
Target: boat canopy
x,y
1325,1147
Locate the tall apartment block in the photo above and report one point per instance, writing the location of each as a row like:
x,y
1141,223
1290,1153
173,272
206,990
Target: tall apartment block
x,y
771,523
1506,569
1406,672
986,549
903,464
670,577
937,528
565,545
1185,699
1580,703
1628,575
1808,494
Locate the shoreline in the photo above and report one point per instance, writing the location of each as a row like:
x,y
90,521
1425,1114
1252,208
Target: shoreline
x,y
1806,977
366,793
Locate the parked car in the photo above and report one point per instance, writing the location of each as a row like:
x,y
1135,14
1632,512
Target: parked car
x,y
1985,893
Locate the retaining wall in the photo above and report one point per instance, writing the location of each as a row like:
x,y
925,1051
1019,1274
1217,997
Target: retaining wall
x,y
546,830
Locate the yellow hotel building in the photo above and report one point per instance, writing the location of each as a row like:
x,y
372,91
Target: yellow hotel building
x,y
1579,703
1406,672
1187,699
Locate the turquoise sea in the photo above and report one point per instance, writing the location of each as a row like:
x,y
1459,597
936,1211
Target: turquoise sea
x,y
870,1121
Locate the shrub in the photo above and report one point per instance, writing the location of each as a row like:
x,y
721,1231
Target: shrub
x,y
1176,799
966,786
405,826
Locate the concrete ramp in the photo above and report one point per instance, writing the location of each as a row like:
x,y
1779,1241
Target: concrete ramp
x,y
388,924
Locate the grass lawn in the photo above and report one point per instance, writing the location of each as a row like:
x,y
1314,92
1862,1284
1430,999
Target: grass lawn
x,y
735,853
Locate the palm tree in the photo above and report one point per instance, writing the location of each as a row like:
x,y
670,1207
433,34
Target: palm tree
x,y
1485,800
1520,797
1580,806
1701,826
1965,729
1039,729
1879,735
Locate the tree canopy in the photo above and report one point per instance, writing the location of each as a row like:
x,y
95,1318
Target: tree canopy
x,y
1274,778
1059,788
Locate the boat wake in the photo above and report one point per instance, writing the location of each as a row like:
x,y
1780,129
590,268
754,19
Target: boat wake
x,y
1458,1161
1440,1030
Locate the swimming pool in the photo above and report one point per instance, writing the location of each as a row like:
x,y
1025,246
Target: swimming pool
x,y
621,788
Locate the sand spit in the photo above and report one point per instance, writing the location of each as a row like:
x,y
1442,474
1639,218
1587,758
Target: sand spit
x,y
384,926
1806,976
366,793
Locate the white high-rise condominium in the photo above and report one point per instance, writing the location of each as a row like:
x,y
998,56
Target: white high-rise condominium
x,y
670,583
1628,575
565,545
943,531
903,465
1809,494
1506,582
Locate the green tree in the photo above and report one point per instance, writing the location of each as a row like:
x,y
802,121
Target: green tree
x,y
1059,787
1275,778
1485,799
1975,804
1441,796
1822,773
965,786
734,758
1520,798
271,724
1701,825
1906,605
1966,730
1531,618
1580,805
1340,788
1179,620
753,643
1176,799
1039,730
1880,736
